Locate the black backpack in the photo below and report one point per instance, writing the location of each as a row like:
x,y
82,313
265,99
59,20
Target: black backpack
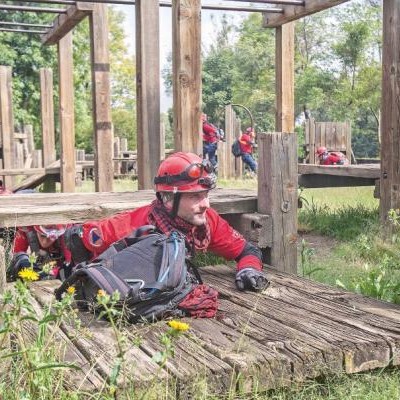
x,y
236,151
150,273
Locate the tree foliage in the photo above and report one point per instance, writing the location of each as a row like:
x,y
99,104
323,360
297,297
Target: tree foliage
x,y
25,54
337,70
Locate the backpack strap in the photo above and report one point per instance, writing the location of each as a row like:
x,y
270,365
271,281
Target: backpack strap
x,y
104,278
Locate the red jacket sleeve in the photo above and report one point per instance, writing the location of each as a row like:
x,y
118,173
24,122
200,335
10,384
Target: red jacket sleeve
x,y
99,235
21,243
229,243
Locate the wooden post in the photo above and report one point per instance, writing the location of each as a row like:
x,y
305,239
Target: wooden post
x,y
186,65
6,121
117,154
284,77
277,196
104,173
67,123
48,132
390,124
147,91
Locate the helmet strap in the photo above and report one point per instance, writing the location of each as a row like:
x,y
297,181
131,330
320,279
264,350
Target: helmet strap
x,y
175,204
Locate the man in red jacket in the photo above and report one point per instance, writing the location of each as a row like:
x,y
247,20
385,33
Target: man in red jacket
x,y
246,146
331,157
182,185
210,140
47,243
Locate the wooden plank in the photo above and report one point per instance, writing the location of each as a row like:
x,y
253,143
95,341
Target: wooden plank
x,y
284,78
47,116
277,196
148,91
313,147
99,345
66,113
101,99
327,181
64,23
370,171
293,12
186,65
51,208
363,343
6,121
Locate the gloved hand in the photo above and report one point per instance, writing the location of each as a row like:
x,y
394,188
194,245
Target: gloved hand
x,y
74,243
19,261
251,279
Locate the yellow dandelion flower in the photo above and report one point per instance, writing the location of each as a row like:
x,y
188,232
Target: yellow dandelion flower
x,y
101,293
178,326
71,290
28,274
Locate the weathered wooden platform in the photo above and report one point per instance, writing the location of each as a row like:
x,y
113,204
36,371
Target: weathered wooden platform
x,y
50,208
296,329
315,176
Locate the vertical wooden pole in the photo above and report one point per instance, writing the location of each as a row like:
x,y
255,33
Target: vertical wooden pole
x,y
67,122
186,66
6,121
277,196
284,78
390,124
104,172
148,91
48,131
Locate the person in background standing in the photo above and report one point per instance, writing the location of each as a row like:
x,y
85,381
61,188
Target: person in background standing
x,y
247,143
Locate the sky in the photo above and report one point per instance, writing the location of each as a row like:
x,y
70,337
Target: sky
x,y
209,30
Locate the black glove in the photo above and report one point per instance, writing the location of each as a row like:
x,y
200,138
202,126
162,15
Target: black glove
x,y
74,243
251,279
19,261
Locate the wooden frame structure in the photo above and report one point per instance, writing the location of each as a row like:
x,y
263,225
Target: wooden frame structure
x,y
187,81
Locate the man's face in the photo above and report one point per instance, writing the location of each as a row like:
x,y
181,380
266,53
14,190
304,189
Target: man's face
x,y
192,207
44,241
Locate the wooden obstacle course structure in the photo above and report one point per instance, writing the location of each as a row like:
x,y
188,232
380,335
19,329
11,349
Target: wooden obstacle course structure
x,y
335,136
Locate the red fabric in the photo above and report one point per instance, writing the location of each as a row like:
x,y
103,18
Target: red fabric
x,y
21,244
201,302
246,143
224,240
209,133
334,158
198,236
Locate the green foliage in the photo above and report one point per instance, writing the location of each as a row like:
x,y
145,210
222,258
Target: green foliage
x,y
344,224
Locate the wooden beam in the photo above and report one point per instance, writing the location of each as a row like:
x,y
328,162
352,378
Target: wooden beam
x,y
6,121
67,116
390,124
148,91
284,78
7,7
64,23
47,116
100,63
186,65
277,196
292,12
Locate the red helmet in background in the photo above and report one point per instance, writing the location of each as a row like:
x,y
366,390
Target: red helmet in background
x,y
321,150
50,231
185,172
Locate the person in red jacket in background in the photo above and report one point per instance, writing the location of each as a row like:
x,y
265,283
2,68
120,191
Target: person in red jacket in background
x,y
331,157
211,138
246,146
47,244
182,204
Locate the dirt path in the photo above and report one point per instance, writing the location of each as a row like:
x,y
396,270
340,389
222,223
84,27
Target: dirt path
x,y
321,244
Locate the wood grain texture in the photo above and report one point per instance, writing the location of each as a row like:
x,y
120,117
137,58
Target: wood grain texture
x,y
295,330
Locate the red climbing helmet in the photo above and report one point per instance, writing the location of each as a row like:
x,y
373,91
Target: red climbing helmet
x,y
321,150
50,231
185,172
